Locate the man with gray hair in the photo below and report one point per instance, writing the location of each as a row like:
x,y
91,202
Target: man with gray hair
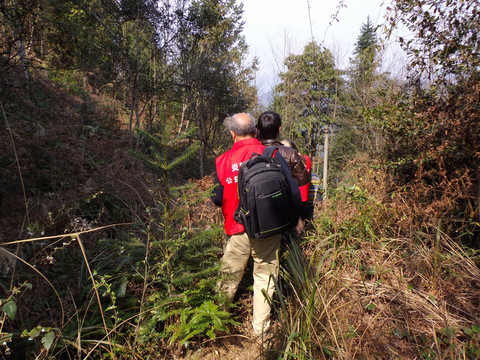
x,y
239,246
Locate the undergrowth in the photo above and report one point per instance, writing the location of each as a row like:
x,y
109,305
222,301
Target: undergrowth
x,y
355,289
137,293
114,260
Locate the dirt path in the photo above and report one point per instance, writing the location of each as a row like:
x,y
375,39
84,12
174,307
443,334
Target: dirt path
x,y
233,347
240,344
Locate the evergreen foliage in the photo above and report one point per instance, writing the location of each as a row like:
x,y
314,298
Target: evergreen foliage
x,y
184,267
214,80
365,61
170,70
307,97
188,56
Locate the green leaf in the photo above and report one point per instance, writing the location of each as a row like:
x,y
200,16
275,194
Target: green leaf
x,y
28,285
449,331
35,332
122,289
352,332
47,340
293,336
476,328
10,308
327,351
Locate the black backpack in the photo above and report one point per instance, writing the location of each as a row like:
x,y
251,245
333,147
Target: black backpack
x,y
270,199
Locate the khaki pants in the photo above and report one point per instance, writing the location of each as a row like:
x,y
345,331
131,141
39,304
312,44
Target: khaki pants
x,y
264,253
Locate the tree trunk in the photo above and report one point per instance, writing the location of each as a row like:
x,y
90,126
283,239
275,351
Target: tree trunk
x,y
200,161
17,30
22,53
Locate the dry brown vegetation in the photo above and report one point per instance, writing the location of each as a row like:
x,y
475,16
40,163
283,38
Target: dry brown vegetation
x,y
378,294
390,296
65,153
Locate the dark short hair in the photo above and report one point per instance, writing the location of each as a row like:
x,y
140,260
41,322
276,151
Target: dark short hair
x,y
241,124
268,125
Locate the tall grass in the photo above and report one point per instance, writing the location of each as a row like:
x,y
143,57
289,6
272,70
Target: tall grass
x,y
136,295
302,307
52,339
352,291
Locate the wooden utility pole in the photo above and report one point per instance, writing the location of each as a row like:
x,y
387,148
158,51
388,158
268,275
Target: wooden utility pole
x,y
326,131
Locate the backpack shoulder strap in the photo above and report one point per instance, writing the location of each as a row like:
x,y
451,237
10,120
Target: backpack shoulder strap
x,y
270,151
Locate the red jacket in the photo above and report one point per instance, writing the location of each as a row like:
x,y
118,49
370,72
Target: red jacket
x,y
304,188
228,165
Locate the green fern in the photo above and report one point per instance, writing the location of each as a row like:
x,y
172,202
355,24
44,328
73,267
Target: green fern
x,y
184,264
159,158
207,319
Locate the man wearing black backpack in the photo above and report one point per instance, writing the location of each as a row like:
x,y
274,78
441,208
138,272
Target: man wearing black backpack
x,y
240,246
269,125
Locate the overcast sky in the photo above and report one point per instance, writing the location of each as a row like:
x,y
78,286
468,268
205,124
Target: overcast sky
x,y
275,27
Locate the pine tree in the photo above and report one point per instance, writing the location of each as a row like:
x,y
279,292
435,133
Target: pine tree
x,y
365,61
364,85
307,95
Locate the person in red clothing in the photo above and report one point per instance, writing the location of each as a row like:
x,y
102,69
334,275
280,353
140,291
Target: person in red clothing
x,y
239,247
307,202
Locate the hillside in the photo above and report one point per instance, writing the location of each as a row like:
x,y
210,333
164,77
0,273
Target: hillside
x,y
66,169
58,142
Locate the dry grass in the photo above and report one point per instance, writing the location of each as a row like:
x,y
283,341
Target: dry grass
x,y
404,303
386,297
63,160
